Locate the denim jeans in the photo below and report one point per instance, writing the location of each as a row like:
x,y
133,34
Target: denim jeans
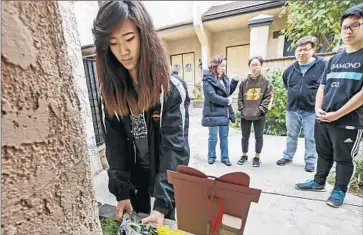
x,y
295,120
223,141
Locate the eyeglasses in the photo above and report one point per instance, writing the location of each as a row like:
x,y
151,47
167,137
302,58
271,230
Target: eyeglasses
x,y
300,51
352,27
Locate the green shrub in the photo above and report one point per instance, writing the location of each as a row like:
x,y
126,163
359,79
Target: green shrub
x,y
237,124
197,91
276,119
356,186
357,181
109,226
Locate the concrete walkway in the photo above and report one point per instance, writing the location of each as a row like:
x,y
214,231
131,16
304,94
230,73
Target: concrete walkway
x,y
281,209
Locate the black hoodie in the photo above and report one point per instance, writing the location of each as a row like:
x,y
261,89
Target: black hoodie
x,y
302,88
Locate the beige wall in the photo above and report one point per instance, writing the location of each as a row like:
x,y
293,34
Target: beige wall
x,y
176,12
184,46
277,25
45,185
222,40
166,13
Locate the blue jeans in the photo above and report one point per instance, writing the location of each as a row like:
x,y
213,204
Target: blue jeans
x,y
295,120
223,141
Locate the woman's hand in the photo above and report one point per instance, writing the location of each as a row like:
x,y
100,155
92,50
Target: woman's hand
x,y
124,205
156,218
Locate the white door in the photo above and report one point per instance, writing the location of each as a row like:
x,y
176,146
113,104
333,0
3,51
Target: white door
x,y
237,61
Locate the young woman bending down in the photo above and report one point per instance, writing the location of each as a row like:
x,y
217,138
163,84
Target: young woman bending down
x,y
145,110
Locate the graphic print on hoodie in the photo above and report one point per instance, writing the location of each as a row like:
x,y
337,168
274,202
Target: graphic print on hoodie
x,y
254,97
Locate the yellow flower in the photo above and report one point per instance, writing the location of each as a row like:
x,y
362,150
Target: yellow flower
x,y
163,230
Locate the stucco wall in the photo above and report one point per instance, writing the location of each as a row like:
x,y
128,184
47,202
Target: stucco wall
x,y
46,185
222,40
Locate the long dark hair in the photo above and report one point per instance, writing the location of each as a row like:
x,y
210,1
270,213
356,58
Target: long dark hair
x,y
214,63
153,72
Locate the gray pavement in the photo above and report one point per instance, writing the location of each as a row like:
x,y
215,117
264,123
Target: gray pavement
x,y
281,209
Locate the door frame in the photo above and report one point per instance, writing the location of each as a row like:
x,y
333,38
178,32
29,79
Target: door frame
x,y
192,52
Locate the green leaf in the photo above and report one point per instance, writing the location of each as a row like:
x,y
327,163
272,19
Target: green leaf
x,y
314,18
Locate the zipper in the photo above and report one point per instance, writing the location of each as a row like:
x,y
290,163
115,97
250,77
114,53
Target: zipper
x,y
133,144
133,188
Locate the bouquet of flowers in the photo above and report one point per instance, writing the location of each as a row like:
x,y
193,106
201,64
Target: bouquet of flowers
x,y
131,225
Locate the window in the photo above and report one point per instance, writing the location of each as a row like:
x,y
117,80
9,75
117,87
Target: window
x,y
94,96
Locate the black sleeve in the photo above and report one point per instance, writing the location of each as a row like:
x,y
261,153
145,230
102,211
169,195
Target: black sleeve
x,y
174,145
240,103
284,77
267,95
233,86
116,146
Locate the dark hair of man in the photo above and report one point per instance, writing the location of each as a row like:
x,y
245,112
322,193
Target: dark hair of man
x,y
354,11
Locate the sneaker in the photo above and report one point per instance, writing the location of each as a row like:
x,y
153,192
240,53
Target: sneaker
x,y
242,160
310,185
256,162
309,167
211,161
336,198
227,162
283,162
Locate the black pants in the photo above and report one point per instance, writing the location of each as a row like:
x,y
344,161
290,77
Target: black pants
x,y
258,126
141,201
339,145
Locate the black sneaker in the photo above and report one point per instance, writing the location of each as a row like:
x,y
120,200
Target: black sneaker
x,y
242,160
227,162
256,162
283,162
211,161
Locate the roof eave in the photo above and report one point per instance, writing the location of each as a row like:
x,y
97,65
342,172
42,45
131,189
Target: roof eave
x,y
236,12
175,27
